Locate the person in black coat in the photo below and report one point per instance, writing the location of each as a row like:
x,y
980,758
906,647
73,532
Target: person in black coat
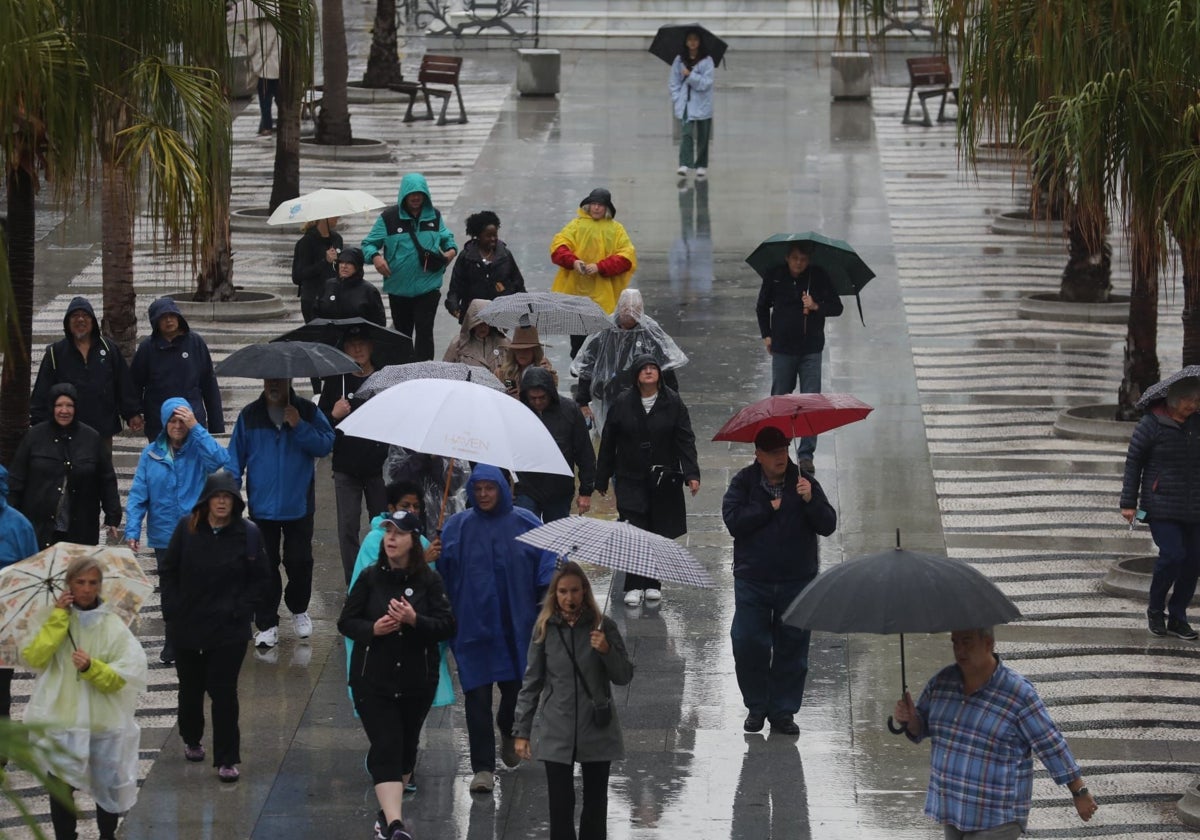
x,y
213,577
548,495
485,269
349,295
62,475
649,450
314,261
395,614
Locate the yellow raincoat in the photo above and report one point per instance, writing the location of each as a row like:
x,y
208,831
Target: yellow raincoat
x,y
592,241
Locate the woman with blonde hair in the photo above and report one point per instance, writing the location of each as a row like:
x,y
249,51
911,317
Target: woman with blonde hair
x,y
524,350
314,261
575,654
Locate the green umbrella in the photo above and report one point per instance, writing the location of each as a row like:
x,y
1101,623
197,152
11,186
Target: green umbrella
x,y
844,266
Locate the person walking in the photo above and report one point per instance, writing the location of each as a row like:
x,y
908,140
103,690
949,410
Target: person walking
x,y
395,614
214,575
691,86
524,351
174,362
485,270
62,476
1162,485
565,711
493,583
550,496
275,442
648,450
986,721
594,255
94,365
90,671
315,261
349,295
478,343
774,513
17,541
410,245
793,303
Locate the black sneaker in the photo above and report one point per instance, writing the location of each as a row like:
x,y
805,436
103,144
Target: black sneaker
x,y
784,726
1179,627
396,831
1157,620
754,722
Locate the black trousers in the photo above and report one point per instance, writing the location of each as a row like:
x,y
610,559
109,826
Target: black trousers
x,y
393,727
214,672
6,678
414,316
477,704
560,786
296,536
65,821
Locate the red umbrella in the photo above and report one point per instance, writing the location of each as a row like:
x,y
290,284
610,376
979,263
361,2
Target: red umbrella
x,y
796,415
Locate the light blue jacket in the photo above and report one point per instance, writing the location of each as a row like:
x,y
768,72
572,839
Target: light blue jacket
x,y
167,485
695,92
17,537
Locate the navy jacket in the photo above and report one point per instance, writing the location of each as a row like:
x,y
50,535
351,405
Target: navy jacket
x,y
780,310
563,419
1162,468
181,367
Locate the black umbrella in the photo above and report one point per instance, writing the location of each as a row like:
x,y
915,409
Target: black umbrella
x,y
1158,390
287,360
389,344
669,42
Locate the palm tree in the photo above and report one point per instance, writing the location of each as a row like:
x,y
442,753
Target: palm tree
x,y
333,121
383,62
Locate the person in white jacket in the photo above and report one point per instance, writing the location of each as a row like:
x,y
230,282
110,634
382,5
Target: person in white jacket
x,y
691,88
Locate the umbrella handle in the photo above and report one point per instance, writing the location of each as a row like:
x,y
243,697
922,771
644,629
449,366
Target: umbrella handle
x,y
894,728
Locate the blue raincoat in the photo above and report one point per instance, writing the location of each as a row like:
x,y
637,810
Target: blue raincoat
x,y
17,537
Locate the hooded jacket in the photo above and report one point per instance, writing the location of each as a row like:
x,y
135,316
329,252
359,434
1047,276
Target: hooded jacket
x,y
181,367
17,538
105,386
469,350
694,91
563,419
1162,467
352,297
279,461
493,583
390,236
310,268
474,279
780,309
167,483
604,243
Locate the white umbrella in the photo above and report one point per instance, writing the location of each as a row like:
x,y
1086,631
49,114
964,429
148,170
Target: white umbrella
x,y
324,204
459,420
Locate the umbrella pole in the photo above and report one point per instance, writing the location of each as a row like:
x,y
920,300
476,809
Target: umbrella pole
x,y
445,494
893,727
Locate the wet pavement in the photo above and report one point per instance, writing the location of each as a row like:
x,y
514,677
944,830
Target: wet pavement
x,y
784,159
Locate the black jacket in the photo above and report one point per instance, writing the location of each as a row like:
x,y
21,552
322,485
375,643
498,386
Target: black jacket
x,y
310,268
771,545
563,419
1162,468
212,583
472,278
50,454
351,455
353,297
402,663
780,310
634,444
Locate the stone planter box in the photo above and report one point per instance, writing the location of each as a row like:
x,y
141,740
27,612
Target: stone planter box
x,y
356,94
850,75
1092,422
538,72
1047,307
362,149
245,306
1020,223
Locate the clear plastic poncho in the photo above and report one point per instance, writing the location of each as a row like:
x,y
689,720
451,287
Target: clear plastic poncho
x,y
606,356
431,473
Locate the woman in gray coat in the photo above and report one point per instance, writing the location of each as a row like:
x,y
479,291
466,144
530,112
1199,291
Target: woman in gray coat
x,y
564,711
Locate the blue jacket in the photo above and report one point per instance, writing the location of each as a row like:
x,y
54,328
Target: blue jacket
x,y
493,583
695,92
166,486
17,537
390,236
279,461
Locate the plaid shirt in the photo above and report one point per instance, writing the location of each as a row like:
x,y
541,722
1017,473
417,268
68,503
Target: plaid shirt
x,y
775,491
981,765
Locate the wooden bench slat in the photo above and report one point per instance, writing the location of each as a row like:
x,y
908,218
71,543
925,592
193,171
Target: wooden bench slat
x,y
932,73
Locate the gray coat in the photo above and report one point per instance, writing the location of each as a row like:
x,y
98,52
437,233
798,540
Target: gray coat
x,y
554,712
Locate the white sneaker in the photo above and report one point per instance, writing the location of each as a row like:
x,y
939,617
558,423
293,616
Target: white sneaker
x,y
302,625
683,170
633,597
267,638
653,594
701,172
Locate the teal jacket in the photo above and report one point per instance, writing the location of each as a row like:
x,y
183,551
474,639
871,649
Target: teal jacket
x,y
390,236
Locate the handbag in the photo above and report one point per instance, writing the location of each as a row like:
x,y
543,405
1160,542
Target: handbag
x,y
430,260
602,712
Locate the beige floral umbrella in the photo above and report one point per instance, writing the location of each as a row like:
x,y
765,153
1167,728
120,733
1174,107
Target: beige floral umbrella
x,y
30,586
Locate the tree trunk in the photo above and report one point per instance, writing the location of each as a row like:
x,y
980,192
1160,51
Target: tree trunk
x,y
1087,277
14,377
1190,259
333,120
120,297
383,63
1141,335
286,182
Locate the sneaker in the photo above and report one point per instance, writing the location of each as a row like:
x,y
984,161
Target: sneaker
x,y
633,597
228,773
302,625
1179,627
701,172
267,638
410,787
653,594
193,752
1157,620
380,826
784,726
483,782
167,657
754,722
683,170
396,831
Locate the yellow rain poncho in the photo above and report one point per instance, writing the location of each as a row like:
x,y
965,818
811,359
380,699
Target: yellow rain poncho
x,y
592,241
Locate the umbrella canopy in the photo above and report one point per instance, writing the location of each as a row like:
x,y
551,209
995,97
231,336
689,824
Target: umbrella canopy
x,y
621,547
459,420
669,42
30,586
845,267
1158,391
796,415
551,313
385,378
287,360
324,204
334,331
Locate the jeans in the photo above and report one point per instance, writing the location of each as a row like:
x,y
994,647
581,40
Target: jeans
x,y
1178,564
296,536
477,703
785,371
560,789
550,511
414,316
694,136
1006,831
770,658
349,492
268,92
393,727
64,819
213,671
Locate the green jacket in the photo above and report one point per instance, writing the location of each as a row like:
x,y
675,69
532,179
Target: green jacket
x,y
390,236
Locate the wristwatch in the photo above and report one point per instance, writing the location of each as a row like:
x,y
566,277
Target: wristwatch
x,y
1083,791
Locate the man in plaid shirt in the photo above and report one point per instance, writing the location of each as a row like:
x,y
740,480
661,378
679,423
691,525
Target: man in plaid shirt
x,y
986,721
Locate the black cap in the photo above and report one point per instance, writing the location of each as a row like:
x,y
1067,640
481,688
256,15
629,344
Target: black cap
x,y
769,439
600,196
403,520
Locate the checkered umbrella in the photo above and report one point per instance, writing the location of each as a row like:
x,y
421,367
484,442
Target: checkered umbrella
x,y
551,313
386,377
621,547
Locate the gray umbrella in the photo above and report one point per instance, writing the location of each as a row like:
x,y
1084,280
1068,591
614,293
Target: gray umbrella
x,y
287,360
1158,391
386,377
551,313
